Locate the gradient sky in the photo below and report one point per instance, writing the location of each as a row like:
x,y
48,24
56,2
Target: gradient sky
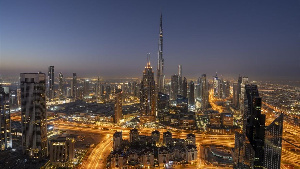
x,y
259,39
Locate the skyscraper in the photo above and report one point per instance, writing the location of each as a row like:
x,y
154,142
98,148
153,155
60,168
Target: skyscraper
x,y
160,65
74,86
249,148
273,143
118,106
216,86
86,88
191,94
98,90
51,83
61,85
254,124
34,119
235,95
184,87
163,102
174,87
180,79
204,92
147,97
5,128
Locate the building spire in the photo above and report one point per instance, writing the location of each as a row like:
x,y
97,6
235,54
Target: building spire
x,y
148,60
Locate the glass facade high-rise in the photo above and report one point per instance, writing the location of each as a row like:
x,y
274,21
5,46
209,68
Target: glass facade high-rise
x,y
191,93
5,121
74,87
160,64
118,106
147,96
174,87
61,85
33,111
273,143
50,84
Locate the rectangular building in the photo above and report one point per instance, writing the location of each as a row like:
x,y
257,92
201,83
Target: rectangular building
x,y
34,119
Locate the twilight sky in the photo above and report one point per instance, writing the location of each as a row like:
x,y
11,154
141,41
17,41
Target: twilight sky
x,y
259,39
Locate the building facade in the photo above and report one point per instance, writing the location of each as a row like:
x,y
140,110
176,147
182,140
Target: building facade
x,y
33,110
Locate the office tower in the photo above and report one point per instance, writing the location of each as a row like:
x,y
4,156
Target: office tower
x,y
249,150
226,89
62,152
273,143
174,87
86,88
180,79
34,119
51,83
74,86
147,97
5,122
118,106
163,103
197,90
216,85
204,92
235,95
160,65
98,90
238,92
242,81
255,124
191,94
61,85
184,87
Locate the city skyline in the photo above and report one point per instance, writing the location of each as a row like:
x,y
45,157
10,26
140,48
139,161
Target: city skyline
x,y
112,39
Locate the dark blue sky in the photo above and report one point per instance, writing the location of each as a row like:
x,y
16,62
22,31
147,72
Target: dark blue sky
x,y
260,39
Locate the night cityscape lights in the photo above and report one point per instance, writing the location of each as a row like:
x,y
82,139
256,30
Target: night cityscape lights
x,y
162,116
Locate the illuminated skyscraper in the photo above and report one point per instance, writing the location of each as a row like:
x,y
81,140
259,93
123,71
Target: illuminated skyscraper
x,y
50,83
184,87
160,65
163,102
273,143
174,87
61,85
235,95
249,148
86,88
147,97
34,119
5,128
204,92
216,86
74,86
191,94
118,106
180,79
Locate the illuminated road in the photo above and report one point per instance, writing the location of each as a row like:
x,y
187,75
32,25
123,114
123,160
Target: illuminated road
x,y
97,157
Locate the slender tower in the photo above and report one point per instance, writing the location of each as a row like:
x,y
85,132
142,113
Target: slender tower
x,y
160,65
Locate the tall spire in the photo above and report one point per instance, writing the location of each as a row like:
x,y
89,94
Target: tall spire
x,y
148,60
160,64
